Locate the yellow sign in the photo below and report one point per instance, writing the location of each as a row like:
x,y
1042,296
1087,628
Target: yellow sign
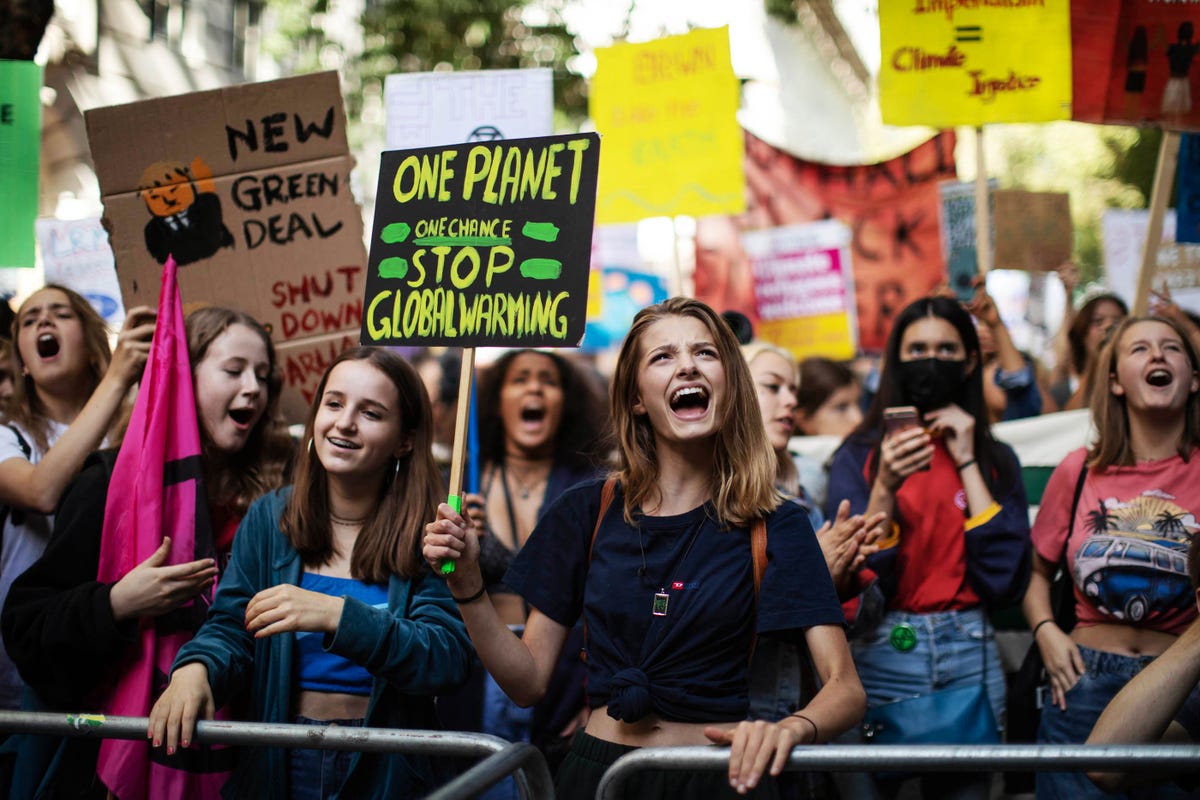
x,y
971,62
667,113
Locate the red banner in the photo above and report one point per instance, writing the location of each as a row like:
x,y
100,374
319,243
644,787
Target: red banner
x,y
891,207
1132,62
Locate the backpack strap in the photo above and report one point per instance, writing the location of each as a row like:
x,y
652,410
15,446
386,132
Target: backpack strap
x,y
5,510
24,445
606,497
758,552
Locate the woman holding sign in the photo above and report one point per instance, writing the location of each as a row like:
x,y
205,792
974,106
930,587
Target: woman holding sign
x,y
660,563
326,613
534,445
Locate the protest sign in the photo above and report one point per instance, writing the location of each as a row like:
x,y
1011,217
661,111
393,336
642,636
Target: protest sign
x,y
425,109
20,142
249,188
478,245
667,111
1132,62
954,63
891,208
959,244
804,288
625,291
1033,229
1177,265
75,254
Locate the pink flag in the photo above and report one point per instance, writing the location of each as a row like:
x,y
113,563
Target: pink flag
x,y
157,491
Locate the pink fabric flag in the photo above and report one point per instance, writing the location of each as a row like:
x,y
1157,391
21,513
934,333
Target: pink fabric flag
x,y
156,491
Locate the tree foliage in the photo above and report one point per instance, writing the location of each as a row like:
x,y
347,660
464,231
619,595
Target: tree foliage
x,y
424,35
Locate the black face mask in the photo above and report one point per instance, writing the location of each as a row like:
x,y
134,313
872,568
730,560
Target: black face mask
x,y
931,383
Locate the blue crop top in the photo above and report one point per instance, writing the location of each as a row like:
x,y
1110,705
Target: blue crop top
x,y
319,669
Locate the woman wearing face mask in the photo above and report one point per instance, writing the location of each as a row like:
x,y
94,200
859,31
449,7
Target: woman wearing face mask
x,y
66,630
958,518
66,398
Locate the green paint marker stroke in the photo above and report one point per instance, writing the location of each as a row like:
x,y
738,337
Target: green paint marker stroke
x,y
395,233
462,241
393,267
541,269
542,231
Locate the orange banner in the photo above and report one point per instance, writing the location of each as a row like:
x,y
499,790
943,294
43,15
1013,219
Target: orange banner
x,y
891,207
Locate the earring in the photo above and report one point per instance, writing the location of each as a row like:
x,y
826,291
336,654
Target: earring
x,y
312,449
397,468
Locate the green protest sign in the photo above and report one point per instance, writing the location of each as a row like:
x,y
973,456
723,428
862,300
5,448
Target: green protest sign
x,y
20,140
483,244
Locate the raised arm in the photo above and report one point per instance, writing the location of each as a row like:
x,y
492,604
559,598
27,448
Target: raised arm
x,y
1143,711
40,486
521,666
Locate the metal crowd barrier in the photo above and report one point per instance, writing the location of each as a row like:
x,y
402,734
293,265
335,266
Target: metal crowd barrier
x,y
524,762
918,758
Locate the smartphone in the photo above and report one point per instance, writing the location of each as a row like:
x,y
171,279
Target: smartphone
x,y
900,418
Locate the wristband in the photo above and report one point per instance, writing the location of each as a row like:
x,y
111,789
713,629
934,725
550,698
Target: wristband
x,y
965,464
1040,624
816,733
462,601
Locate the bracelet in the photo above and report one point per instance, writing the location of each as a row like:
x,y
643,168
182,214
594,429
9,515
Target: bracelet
x,y
462,601
1040,624
816,733
965,464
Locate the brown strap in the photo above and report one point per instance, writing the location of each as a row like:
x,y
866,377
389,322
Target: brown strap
x,y
758,551
606,497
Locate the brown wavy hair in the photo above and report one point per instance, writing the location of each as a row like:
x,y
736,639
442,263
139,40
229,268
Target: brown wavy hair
x,y
25,406
236,480
743,480
1110,414
389,541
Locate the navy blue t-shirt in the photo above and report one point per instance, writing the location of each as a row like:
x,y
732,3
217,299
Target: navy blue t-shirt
x,y
691,664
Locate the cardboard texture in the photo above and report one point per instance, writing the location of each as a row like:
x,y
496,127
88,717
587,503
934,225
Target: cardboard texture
x,y
249,188
483,245
1033,229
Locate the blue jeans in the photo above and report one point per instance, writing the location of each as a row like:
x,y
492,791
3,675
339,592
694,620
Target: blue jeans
x,y
504,718
949,653
1105,674
318,774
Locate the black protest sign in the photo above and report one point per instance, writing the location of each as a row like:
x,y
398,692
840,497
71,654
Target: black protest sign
x,y
483,245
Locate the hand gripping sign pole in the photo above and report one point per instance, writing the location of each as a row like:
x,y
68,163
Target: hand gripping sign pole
x,y
458,460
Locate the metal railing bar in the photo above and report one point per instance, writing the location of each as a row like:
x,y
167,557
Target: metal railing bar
x,y
919,758
494,768
367,740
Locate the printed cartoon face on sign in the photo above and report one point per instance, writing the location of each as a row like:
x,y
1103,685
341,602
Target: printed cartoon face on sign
x,y
185,212
483,244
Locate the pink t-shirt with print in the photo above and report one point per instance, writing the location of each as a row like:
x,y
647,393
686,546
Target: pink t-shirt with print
x,y
1128,552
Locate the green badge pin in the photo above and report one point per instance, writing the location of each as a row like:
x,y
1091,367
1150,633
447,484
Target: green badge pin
x,y
903,637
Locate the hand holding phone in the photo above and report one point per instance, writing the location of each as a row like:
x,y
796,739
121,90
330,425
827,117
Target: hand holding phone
x,y
897,419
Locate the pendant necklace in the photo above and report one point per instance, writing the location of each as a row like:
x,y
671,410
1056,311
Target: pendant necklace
x,y
662,600
523,488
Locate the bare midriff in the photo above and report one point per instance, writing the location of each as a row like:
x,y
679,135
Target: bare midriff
x,y
650,731
331,705
1124,640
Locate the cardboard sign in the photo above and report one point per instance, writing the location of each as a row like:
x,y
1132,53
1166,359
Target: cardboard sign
x,y
953,63
425,109
1177,265
20,142
804,288
667,110
483,245
75,254
1033,229
1132,62
249,188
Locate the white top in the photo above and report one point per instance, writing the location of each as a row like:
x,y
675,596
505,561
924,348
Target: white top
x,y
25,536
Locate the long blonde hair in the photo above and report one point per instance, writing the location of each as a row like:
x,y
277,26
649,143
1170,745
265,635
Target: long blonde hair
x,y
1110,414
787,477
743,480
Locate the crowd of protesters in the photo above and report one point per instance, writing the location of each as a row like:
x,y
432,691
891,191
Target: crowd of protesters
x,y
723,589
